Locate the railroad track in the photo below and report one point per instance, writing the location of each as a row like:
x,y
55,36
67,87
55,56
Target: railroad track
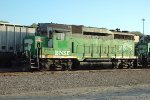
x,y
16,73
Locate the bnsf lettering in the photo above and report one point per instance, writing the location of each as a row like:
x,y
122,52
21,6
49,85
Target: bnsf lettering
x,y
62,52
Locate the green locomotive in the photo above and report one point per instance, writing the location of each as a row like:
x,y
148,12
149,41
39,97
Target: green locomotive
x,y
60,46
143,51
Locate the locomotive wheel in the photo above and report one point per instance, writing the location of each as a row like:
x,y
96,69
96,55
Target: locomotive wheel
x,y
52,67
75,64
117,65
44,66
63,67
120,66
69,67
47,66
130,65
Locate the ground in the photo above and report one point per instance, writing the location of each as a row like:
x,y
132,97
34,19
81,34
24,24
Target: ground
x,y
83,84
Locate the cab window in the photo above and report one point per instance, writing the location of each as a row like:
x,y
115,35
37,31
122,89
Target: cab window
x,y
60,36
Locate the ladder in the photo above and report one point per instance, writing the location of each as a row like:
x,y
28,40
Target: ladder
x,y
33,64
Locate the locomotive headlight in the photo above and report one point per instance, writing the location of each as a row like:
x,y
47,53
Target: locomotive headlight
x,y
39,40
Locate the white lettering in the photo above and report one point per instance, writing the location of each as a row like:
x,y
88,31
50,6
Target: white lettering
x,y
56,52
68,52
62,52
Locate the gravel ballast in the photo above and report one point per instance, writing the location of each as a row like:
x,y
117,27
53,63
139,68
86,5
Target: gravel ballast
x,y
27,82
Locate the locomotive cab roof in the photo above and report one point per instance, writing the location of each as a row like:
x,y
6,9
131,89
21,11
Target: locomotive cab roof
x,y
61,30
84,30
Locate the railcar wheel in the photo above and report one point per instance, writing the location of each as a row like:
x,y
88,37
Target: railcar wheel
x,y
26,67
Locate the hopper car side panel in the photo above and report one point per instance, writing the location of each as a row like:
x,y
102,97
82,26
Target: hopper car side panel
x,y
11,40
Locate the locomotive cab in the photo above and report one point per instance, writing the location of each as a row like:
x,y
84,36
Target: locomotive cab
x,y
48,46
33,49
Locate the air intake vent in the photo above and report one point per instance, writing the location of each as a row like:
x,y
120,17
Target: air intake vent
x,y
76,29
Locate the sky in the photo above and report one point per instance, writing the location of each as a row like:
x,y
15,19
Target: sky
x,y
111,14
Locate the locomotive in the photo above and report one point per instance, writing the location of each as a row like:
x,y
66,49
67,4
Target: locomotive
x,y
61,46
143,51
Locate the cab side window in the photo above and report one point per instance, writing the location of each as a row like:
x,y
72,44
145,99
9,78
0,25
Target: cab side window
x,y
60,36
38,45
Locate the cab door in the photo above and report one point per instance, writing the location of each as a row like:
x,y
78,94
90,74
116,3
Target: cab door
x,y
62,43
